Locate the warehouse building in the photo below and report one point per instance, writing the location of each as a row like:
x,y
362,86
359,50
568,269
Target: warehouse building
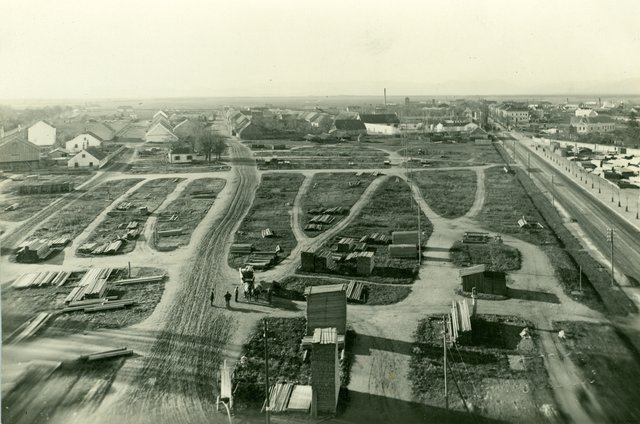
x,y
17,153
488,282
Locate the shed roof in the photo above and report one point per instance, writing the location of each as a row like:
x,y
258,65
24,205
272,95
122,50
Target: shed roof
x,y
349,124
330,288
96,153
325,335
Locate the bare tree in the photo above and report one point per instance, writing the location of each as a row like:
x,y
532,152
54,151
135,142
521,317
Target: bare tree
x,y
211,142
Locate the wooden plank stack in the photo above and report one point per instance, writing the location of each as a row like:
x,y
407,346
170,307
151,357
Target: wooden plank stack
x,y
460,321
279,395
267,233
139,280
37,323
323,219
300,399
355,291
123,351
39,279
242,249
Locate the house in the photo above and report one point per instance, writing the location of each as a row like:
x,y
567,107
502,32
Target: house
x,y
42,134
249,131
586,113
160,133
381,123
600,124
58,154
183,154
83,141
161,114
452,126
17,153
348,127
510,113
187,129
91,157
100,129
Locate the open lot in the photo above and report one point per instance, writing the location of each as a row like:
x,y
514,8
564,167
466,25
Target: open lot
x,y
449,193
323,157
270,210
458,154
188,209
154,160
610,364
20,305
329,190
391,208
150,195
69,222
29,204
499,374
293,288
497,256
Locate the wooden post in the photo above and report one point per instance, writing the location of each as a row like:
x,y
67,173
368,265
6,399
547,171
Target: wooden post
x,y
266,371
444,345
129,269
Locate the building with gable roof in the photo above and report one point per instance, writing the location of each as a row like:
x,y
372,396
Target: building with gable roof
x,y
42,134
18,153
82,141
91,157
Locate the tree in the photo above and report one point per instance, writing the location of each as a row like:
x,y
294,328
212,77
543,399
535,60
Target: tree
x,y
632,120
211,142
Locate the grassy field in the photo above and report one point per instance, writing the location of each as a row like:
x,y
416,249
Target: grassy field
x,y
158,163
151,194
271,209
610,366
190,210
323,157
293,288
497,256
328,190
459,154
20,305
480,365
449,193
69,222
29,204
285,360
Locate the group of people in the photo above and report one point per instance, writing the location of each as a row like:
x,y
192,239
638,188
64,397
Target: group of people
x,y
227,296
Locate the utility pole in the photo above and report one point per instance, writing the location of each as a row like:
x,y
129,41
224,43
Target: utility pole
x,y
266,371
529,164
610,233
580,278
553,192
444,344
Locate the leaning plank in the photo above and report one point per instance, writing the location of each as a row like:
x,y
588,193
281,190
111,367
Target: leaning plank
x,y
150,279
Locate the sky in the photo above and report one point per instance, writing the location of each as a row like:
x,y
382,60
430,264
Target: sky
x,y
191,48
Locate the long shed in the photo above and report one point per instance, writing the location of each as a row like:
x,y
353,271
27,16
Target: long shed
x,y
489,282
326,307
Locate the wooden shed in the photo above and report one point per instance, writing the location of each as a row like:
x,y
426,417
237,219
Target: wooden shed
x,y
326,307
489,282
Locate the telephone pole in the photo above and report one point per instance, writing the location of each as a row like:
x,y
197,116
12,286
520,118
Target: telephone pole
x,y
266,371
610,233
444,344
553,192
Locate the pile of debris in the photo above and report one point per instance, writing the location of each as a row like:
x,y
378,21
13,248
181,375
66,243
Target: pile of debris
x,y
38,279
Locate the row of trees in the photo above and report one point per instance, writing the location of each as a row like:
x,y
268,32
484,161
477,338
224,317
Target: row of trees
x,y
10,118
207,142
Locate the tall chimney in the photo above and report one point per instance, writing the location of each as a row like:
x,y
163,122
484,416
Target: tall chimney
x,y
385,96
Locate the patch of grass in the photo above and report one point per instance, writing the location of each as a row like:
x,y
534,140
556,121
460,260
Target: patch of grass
x,y
285,360
293,287
479,364
449,193
69,222
454,154
497,256
151,194
189,209
329,190
271,209
610,363
324,157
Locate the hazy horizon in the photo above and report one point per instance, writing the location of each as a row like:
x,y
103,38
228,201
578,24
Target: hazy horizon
x,y
120,49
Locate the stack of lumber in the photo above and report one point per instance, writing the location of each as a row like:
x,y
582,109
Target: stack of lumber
x,y
87,247
300,400
124,206
460,321
355,290
132,225
261,260
171,232
375,238
336,210
38,279
98,305
203,194
313,227
93,283
354,183
123,351
132,234
113,247
149,279
168,217
267,233
322,219
33,326
279,396
59,242
243,249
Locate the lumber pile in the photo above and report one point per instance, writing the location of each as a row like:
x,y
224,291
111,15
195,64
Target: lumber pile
x,y
261,260
313,227
59,242
149,279
267,233
355,291
39,279
322,219
108,248
124,206
279,395
375,238
98,305
171,232
241,249
123,351
93,285
37,323
300,399
33,251
337,210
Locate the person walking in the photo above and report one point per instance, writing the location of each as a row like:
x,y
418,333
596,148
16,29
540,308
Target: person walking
x,y
235,293
212,296
227,298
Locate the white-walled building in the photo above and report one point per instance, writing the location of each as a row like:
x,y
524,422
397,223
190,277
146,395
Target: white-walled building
x,y
42,134
160,133
81,142
91,157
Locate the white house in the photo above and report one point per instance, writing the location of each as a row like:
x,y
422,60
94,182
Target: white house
x,y
184,155
42,134
160,133
91,157
81,142
381,123
588,113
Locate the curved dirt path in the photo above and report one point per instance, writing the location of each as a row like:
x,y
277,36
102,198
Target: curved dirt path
x,y
297,210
